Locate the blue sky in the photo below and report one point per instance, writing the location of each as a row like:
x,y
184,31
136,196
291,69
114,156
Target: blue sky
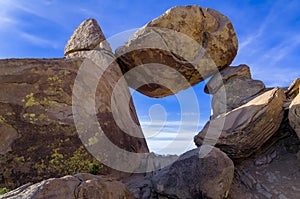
x,y
268,33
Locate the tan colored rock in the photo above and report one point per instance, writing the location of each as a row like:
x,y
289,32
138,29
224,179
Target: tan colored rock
x,y
214,84
86,37
294,114
293,89
242,131
39,139
194,177
72,187
191,42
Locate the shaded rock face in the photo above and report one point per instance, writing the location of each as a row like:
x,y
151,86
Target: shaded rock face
x,y
71,187
191,42
188,177
231,88
87,36
194,177
294,114
245,129
38,136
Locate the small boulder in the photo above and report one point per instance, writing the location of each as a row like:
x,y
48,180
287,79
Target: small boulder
x,y
214,84
191,42
194,177
87,36
231,88
242,131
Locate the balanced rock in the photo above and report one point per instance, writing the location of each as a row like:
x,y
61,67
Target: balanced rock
x,y
88,36
194,177
38,135
294,112
242,131
71,187
231,88
179,49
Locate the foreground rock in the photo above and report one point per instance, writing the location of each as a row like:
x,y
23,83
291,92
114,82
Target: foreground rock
x,y
242,131
231,88
72,187
38,135
180,48
88,36
188,177
294,114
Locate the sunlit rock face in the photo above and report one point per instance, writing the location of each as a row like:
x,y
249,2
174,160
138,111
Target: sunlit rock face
x,y
294,108
192,42
242,131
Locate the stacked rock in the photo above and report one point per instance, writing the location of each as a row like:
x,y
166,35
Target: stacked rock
x,y
231,88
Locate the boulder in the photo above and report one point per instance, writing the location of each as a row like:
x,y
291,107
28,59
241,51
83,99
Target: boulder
x,y
194,177
231,88
71,187
234,93
294,114
214,84
38,135
242,131
179,49
88,36
293,89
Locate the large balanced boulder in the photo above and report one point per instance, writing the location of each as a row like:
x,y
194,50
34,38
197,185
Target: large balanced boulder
x,y
180,48
71,187
294,113
242,131
192,176
38,135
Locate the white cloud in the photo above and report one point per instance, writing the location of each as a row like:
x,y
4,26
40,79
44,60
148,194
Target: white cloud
x,y
39,41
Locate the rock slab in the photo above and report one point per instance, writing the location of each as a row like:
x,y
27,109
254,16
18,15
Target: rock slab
x,y
242,131
72,187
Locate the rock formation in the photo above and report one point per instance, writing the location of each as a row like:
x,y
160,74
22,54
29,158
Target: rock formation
x,y
245,129
191,43
231,88
188,177
88,36
294,108
71,187
58,115
38,135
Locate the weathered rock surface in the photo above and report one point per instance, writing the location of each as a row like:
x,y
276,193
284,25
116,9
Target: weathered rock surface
x,y
278,178
231,88
194,177
192,43
188,177
294,114
38,135
72,187
213,85
242,131
293,89
88,36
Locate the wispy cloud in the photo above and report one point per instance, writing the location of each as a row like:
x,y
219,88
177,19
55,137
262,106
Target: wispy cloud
x,y
39,41
170,137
